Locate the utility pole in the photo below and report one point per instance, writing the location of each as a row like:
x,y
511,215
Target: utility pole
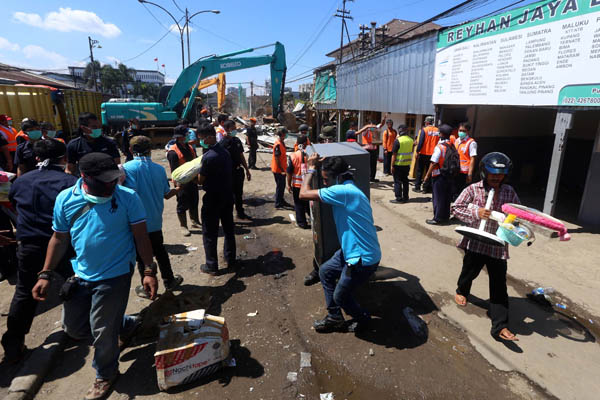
x,y
251,97
187,32
343,14
93,43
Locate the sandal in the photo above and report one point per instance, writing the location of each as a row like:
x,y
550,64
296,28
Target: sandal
x,y
507,335
101,388
460,300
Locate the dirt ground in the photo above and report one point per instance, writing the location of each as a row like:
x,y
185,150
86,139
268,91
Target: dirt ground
x,y
457,359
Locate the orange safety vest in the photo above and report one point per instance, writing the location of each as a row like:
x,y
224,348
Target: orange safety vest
x,y
282,158
11,137
299,168
432,137
368,140
23,135
305,146
436,167
463,152
180,155
389,136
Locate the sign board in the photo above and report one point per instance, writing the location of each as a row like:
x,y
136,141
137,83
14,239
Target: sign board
x,y
544,54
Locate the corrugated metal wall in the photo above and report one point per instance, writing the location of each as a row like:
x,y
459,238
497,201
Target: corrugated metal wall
x,y
399,81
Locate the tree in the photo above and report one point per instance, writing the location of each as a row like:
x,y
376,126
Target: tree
x,y
88,75
125,75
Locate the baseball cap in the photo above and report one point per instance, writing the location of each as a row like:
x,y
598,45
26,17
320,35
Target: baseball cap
x,y
140,144
180,131
100,166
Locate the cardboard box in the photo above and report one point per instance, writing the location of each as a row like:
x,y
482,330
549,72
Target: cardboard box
x,y
190,345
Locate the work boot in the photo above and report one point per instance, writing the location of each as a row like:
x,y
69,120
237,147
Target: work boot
x,y
173,283
208,270
195,220
312,278
101,388
183,223
330,324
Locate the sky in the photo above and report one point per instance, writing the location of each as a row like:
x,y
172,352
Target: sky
x,y
52,34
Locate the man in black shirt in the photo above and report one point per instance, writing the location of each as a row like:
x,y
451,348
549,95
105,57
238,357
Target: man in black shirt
x,y
89,141
24,157
252,138
236,150
187,198
127,135
217,203
33,195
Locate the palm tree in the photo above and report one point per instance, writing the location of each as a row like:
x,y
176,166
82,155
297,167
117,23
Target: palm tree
x,y
126,76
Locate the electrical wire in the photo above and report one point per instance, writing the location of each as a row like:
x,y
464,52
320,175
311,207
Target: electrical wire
x,y
177,5
219,36
158,20
148,49
312,43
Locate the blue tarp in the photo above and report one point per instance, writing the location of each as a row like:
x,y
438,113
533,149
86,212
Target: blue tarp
x,y
325,88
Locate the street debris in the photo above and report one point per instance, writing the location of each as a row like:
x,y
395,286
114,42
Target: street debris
x,y
591,321
292,217
418,326
562,306
292,376
371,352
191,248
305,360
280,275
250,236
252,314
327,396
190,345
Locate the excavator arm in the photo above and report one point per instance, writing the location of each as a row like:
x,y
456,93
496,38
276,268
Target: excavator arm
x,y
220,81
192,75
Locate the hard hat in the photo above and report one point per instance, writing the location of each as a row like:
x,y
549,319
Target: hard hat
x,y
430,119
252,119
303,128
495,163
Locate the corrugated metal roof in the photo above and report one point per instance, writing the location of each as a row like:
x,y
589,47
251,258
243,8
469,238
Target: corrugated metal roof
x,y
399,80
19,75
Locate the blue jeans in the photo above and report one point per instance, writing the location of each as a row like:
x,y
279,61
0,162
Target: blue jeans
x,y
97,309
339,283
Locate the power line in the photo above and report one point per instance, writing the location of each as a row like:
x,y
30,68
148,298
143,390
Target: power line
x,y
157,20
148,49
219,36
177,5
312,43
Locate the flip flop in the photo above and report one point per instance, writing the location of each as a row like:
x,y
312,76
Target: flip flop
x,y
460,300
502,335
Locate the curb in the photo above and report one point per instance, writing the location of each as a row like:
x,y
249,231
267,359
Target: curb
x,y
30,377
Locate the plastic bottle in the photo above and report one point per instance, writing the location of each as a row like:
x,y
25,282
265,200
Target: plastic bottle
x,y
542,290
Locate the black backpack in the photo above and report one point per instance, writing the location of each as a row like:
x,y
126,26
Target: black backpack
x,y
451,165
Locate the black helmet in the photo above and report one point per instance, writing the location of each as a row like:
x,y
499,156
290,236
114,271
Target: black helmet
x,y
495,163
303,127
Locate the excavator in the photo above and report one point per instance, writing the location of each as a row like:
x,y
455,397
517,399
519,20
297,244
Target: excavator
x,y
180,101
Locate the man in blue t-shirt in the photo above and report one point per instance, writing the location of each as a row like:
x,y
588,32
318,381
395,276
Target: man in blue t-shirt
x,y
149,180
105,223
357,260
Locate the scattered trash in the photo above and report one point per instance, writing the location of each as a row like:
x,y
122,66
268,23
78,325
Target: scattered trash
x,y
371,352
293,217
542,290
279,276
418,326
292,376
250,236
327,396
591,322
541,299
251,389
231,363
561,306
191,345
190,248
252,314
305,360
187,244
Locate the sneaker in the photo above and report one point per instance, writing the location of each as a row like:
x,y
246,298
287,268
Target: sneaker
x,y
330,324
185,231
173,283
141,292
312,278
396,201
208,270
288,205
196,225
417,190
101,388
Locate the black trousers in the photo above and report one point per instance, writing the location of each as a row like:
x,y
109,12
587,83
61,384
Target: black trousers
x,y
472,265
442,196
252,157
238,189
188,198
423,162
279,189
373,158
459,184
31,256
301,207
161,255
8,254
387,162
401,182
215,209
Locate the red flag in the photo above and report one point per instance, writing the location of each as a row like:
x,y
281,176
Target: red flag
x,y
163,65
156,59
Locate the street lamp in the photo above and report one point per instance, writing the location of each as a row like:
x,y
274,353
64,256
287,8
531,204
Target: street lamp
x,y
179,27
187,26
94,44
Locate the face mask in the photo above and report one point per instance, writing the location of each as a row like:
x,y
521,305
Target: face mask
x,y
34,135
9,123
51,134
96,133
462,134
95,199
204,145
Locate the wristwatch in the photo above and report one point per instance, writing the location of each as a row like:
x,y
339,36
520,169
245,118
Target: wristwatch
x,y
150,270
47,275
